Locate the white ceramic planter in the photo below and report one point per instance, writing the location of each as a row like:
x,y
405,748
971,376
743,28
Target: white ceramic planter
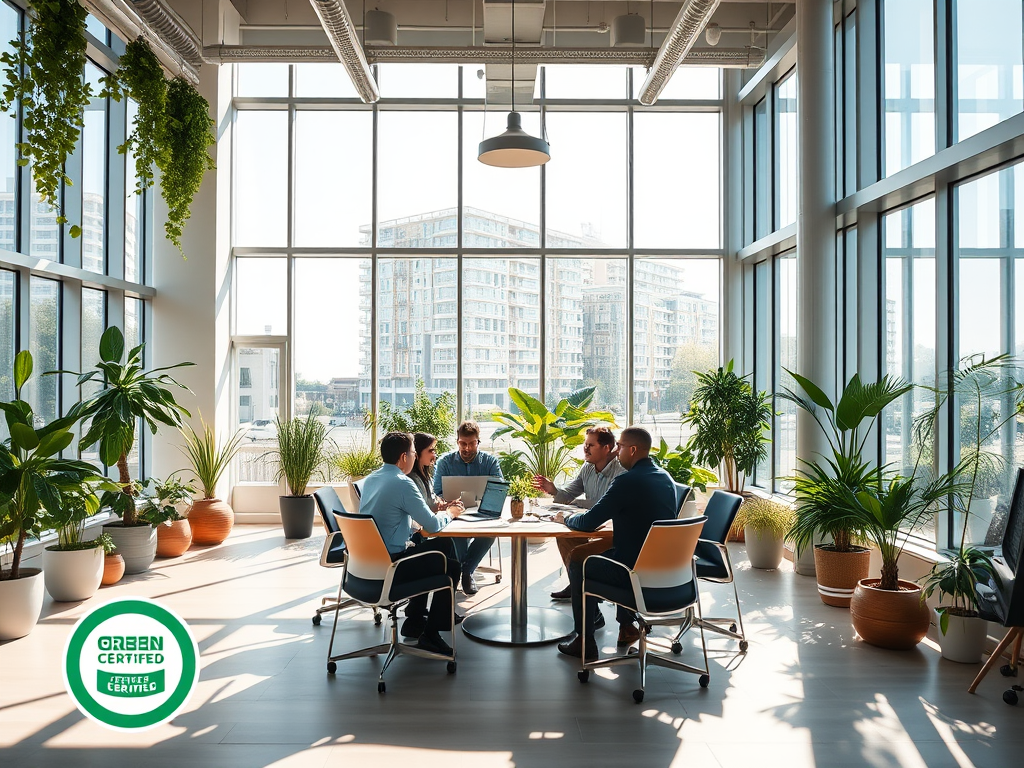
x,y
137,545
763,550
964,641
21,602
74,575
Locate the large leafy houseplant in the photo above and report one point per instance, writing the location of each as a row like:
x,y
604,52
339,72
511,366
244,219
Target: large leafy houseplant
x,y
731,422
129,394
550,435
434,416
44,78
679,463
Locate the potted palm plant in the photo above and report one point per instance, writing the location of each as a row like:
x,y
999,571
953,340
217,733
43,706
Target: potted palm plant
x,y
167,509
73,567
210,518
129,393
765,523
302,453
824,486
32,478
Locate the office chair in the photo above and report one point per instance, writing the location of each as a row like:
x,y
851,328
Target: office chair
x,y
686,501
334,556
715,566
662,583
373,579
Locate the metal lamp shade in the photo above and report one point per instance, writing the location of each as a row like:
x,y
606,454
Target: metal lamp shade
x,y
514,148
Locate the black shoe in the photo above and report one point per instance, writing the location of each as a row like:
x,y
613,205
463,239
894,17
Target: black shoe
x,y
598,620
413,626
431,641
469,586
562,595
574,648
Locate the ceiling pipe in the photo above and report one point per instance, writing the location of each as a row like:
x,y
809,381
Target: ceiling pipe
x,y
342,34
689,23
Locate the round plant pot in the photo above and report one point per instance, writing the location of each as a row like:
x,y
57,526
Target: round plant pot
x,y
763,549
21,602
297,516
516,509
72,575
113,569
897,620
137,545
173,538
211,521
839,572
964,641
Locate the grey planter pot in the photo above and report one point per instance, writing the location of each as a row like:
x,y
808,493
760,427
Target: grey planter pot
x,y
137,545
763,549
297,516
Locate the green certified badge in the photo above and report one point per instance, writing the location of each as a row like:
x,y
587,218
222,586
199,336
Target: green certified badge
x,y
131,664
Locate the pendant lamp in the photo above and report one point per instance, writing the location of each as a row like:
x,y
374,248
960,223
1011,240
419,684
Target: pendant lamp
x,y
514,148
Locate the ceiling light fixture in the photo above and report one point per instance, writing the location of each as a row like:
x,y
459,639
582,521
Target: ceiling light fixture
x,y
514,148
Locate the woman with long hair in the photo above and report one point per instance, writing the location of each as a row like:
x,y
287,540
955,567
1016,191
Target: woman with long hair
x,y
422,472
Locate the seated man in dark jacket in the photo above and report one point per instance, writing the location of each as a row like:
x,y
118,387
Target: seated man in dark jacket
x,y
634,501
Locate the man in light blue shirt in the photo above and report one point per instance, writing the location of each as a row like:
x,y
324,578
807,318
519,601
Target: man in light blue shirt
x,y
468,461
391,498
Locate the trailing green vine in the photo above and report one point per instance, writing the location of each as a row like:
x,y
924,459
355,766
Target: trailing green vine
x,y
45,69
189,133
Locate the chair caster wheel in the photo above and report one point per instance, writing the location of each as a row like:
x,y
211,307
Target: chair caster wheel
x,y
331,667
744,645
732,627
704,681
638,695
377,618
316,620
583,675
1010,697
677,648
1008,670
452,666
381,687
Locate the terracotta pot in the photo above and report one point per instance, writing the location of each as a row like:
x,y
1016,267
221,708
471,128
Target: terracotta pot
x,y
839,572
516,508
897,620
173,538
211,521
113,569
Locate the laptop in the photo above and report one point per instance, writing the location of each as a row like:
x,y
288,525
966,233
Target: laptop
x,y
491,503
452,487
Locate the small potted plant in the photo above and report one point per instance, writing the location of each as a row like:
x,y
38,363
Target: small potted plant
x,y
302,453
520,488
962,633
73,567
210,518
168,509
765,523
356,462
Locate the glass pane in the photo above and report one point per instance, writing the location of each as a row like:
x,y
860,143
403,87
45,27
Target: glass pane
x,y
762,352
418,81
587,200
95,28
675,332
687,82
134,214
570,81
42,392
989,64
908,83
44,234
850,97
258,386
333,188
762,171
417,188
586,331
94,322
331,294
134,334
8,153
8,338
474,82
677,146
502,205
261,79
261,178
784,431
94,178
785,147
261,298
323,81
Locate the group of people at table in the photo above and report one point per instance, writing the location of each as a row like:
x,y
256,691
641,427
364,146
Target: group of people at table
x,y
618,482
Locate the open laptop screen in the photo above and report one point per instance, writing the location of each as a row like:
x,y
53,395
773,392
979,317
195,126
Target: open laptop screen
x,y
494,497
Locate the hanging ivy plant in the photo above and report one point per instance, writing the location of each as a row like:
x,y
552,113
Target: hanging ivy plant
x,y
140,77
45,68
189,133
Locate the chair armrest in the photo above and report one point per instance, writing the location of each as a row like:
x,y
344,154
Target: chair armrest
x,y
329,544
616,563
405,562
722,548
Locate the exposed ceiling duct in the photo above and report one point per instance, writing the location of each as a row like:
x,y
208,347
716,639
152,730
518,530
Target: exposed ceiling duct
x,y
689,23
341,32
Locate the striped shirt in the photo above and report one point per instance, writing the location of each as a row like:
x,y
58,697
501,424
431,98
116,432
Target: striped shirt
x,y
589,482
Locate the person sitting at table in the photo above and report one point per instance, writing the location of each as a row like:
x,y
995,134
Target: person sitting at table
x,y
422,473
390,497
468,461
595,476
637,498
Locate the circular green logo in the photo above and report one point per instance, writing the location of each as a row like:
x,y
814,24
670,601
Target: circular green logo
x,y
131,664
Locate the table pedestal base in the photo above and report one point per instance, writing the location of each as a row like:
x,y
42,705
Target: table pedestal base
x,y
494,625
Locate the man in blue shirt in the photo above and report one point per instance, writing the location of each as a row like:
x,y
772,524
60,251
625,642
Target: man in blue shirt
x,y
468,461
391,498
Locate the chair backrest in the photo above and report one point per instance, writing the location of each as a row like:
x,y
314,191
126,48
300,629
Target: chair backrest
x,y
720,511
684,495
368,557
329,504
666,558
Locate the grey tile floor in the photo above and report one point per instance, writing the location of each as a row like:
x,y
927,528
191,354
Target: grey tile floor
x,y
807,693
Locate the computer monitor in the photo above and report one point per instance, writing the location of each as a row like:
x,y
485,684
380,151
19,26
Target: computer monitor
x,y
452,487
